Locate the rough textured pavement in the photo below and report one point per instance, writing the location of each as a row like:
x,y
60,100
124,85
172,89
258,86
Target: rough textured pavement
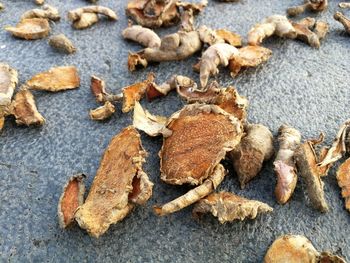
x,y
304,87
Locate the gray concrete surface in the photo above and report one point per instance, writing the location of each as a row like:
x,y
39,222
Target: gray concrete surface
x,y
304,87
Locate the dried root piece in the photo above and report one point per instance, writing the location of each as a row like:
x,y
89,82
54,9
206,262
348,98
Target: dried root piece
x,y
344,5
344,20
72,197
194,195
304,33
228,207
103,112
321,29
8,82
343,177
284,164
62,43
98,89
215,55
24,109
311,5
118,182
142,35
30,29
249,56
273,25
209,36
86,16
194,7
230,37
201,135
47,12
86,20
306,160
39,2
255,148
187,21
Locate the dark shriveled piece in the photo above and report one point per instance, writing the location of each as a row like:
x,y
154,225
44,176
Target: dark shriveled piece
x,y
30,29
343,178
62,43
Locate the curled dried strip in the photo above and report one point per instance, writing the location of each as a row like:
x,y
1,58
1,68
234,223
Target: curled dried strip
x,y
312,5
229,37
255,148
98,89
194,195
55,79
118,183
62,43
209,36
273,25
284,164
344,20
228,207
304,33
343,178
102,112
215,55
8,83
71,198
142,35
344,5
30,29
84,17
155,91
47,12
306,160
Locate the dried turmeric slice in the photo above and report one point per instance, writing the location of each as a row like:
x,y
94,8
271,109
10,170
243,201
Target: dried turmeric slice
x,y
343,177
8,82
30,29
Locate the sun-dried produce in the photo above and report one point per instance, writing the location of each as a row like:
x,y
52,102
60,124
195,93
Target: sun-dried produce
x,y
62,43
255,148
195,194
187,21
228,207
55,79
47,12
344,5
304,32
103,112
201,135
230,37
118,184
310,5
86,16
155,91
343,178
273,25
142,35
209,36
72,197
98,89
39,2
284,164
321,29
194,7
306,160
8,83
344,20
30,29
215,55
249,56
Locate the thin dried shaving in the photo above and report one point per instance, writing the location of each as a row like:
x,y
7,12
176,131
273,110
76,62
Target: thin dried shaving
x,y
30,29
142,35
46,12
230,37
62,43
343,178
103,112
8,83
98,89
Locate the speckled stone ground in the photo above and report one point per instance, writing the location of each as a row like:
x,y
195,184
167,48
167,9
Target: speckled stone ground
x,y
304,87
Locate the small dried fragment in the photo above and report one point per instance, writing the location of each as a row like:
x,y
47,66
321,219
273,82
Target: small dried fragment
x,y
142,35
72,197
102,112
86,20
47,12
304,33
119,182
55,79
209,36
228,207
86,16
284,164
273,25
344,5
306,160
343,177
135,60
194,7
194,195
30,29
8,82
155,91
255,148
215,55
39,2
62,43
344,20
98,89
321,29
187,21
230,37
311,5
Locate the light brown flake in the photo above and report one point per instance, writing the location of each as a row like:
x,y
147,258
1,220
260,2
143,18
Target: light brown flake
x,y
98,89
30,29
103,112
231,38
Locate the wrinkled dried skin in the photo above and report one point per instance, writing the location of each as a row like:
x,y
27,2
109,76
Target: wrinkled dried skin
x,y
306,160
98,89
103,112
108,199
194,195
231,38
72,197
47,12
284,164
24,109
62,43
343,177
255,148
209,36
194,7
215,55
142,35
86,20
55,79
8,83
76,14
306,35
344,5
343,20
249,56
30,29
228,207
315,6
201,135
142,189
135,60
187,21
321,29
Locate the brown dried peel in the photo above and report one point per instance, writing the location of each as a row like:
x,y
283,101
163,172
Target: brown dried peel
x,y
98,89
62,43
47,12
155,91
118,182
284,164
142,35
8,83
30,29
228,207
194,195
255,148
343,20
311,5
103,112
343,178
230,37
72,197
86,16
